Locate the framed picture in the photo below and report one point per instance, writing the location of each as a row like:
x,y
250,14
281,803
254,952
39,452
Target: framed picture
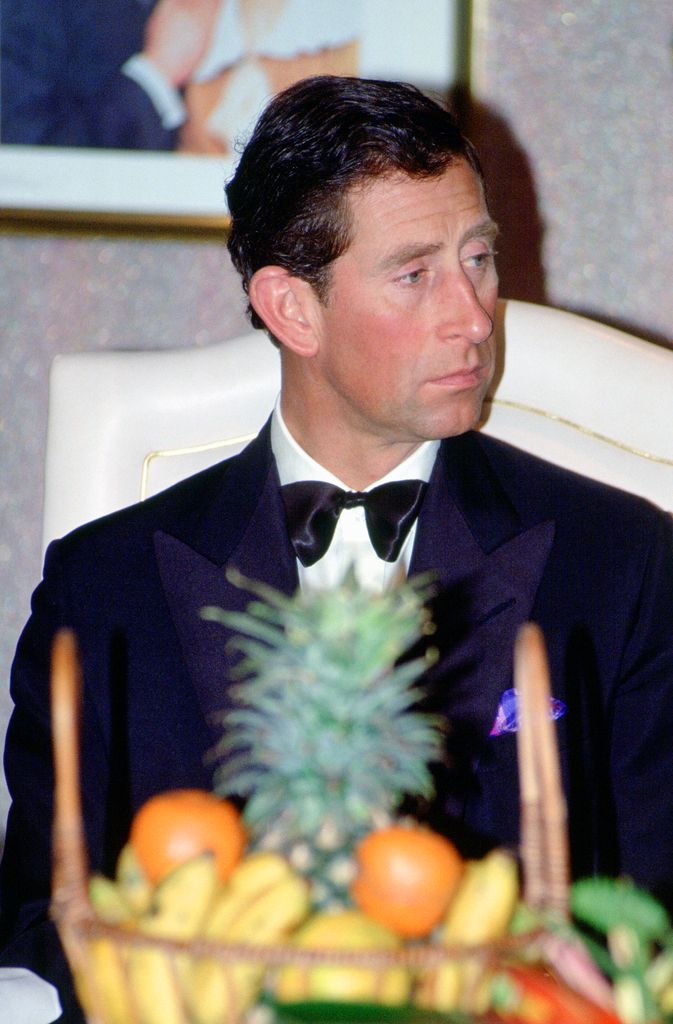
x,y
96,136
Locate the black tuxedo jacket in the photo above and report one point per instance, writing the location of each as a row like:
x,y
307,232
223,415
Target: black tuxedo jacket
x,y
511,538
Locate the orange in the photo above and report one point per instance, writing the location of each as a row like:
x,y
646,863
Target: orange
x,y
406,878
174,826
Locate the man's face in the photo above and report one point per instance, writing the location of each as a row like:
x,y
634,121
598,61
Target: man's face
x,y
405,339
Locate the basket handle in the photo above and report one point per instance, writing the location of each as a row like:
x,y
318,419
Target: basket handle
x,y
544,825
70,863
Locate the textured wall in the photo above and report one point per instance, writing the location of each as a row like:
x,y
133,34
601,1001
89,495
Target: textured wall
x,y
575,125
576,128
60,294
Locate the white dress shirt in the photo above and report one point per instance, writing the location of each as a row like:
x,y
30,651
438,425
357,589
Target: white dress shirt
x,y
351,544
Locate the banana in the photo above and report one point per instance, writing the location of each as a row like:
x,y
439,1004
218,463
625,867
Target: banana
x,y
485,901
179,905
181,900
104,974
440,989
156,983
133,884
218,993
480,912
255,874
108,901
258,870
103,985
273,913
262,905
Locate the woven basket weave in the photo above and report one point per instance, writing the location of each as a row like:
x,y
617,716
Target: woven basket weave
x,y
543,851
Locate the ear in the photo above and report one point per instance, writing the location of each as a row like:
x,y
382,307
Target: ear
x,y
286,304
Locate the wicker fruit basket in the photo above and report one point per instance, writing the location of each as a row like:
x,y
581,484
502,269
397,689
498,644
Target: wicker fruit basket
x,y
96,950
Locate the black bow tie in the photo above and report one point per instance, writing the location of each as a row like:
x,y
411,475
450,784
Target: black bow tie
x,y
313,509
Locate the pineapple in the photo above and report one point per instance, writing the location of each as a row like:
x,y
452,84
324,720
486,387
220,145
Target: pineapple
x,y
324,741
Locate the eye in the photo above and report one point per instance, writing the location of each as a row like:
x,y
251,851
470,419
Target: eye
x,y
411,276
479,260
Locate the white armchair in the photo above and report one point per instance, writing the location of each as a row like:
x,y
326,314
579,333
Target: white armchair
x,y
124,425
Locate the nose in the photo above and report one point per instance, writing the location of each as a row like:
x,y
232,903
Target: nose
x,y
466,311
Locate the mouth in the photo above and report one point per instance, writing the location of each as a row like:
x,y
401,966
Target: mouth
x,y
463,380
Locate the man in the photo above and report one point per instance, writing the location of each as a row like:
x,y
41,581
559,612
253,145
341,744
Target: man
x,y
362,234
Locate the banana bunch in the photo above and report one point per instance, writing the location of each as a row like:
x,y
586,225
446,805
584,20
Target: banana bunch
x,y
121,983
260,903
263,901
480,912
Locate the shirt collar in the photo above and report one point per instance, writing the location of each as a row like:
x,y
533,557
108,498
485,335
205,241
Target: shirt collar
x,y
295,464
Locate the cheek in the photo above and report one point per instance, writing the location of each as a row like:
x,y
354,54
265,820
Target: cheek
x,y
385,339
371,352
387,362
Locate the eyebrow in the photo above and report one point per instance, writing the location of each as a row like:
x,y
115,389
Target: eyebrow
x,y
486,228
408,253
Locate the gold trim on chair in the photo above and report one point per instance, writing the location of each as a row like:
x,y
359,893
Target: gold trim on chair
x,y
168,453
506,403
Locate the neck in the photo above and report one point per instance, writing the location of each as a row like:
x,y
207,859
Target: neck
x,y
357,462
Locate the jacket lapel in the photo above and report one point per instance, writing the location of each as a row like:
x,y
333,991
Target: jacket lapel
x,y
488,566
246,532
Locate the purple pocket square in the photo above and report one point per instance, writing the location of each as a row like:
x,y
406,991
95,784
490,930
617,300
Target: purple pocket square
x,y
506,719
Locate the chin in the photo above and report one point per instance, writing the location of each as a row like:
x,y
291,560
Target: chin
x,y
454,425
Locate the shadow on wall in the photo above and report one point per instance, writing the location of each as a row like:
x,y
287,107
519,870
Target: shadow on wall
x,y
512,201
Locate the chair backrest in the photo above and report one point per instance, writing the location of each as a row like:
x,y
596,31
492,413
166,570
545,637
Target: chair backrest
x,y
124,425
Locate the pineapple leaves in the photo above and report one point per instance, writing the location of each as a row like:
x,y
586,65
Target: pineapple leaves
x,y
325,725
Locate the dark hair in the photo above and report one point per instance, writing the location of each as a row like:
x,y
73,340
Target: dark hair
x,y
312,144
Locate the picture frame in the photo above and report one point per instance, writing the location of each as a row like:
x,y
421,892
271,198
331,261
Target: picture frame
x,y
72,188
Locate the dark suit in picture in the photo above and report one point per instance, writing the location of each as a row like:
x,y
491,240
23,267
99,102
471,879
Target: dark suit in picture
x,y
61,79
511,539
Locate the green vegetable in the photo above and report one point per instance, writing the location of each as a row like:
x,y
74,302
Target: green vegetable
x,y
607,903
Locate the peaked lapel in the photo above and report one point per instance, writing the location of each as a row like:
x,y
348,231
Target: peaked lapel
x,y
487,563
243,529
488,566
